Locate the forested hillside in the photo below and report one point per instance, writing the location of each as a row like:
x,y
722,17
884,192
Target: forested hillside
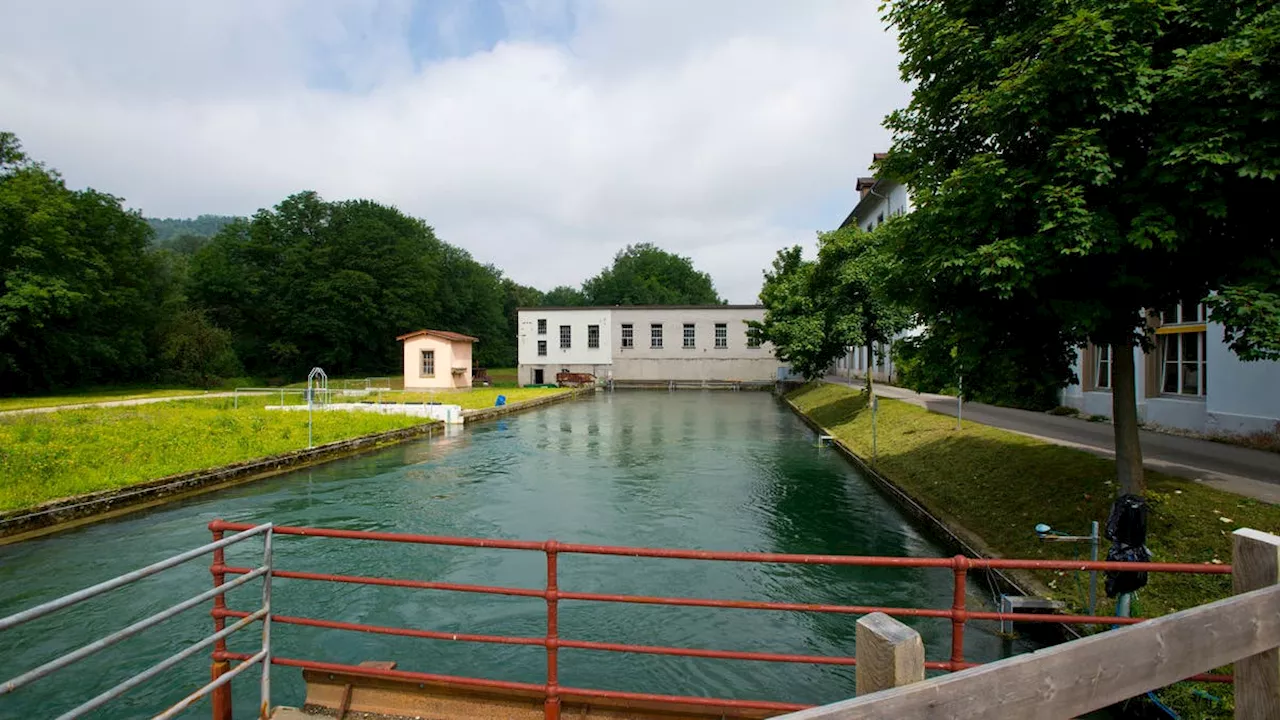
x,y
93,293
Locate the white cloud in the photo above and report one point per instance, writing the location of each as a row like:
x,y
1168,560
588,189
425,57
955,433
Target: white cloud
x,y
719,130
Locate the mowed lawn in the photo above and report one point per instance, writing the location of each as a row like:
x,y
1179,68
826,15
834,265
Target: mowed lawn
x,y
90,396
476,398
47,456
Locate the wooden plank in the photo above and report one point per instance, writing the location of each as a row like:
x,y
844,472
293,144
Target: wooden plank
x,y
1074,678
1255,564
890,654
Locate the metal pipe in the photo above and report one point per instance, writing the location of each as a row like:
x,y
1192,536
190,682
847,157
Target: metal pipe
x,y
98,645
394,582
402,632
958,609
122,580
551,707
1093,574
185,702
264,711
158,668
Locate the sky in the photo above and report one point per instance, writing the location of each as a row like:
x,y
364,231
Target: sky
x,y
542,136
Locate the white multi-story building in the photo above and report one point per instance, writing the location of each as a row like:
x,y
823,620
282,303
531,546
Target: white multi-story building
x,y
644,344
1191,380
878,200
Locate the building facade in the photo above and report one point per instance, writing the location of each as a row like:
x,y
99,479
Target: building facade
x,y
1189,381
435,359
644,344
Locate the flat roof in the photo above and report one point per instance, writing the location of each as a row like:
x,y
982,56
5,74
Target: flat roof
x,y
640,307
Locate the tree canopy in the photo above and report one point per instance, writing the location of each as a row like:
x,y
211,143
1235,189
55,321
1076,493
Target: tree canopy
x,y
204,226
1075,163
643,274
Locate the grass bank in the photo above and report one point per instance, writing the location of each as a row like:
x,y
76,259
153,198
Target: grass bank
x,y
999,485
477,398
92,396
49,456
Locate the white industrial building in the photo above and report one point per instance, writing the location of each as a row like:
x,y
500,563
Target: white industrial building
x,y
644,344
1190,381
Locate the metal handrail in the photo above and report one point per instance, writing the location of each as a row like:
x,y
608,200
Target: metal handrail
x,y
264,614
553,691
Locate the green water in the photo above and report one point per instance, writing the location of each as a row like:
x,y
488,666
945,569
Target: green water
x,y
715,471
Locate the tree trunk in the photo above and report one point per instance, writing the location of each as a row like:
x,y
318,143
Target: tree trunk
x,y
870,364
1124,418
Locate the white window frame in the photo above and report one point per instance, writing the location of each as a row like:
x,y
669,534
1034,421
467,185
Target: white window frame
x,y
655,336
427,368
542,348
593,337
1102,363
628,335
1178,326
689,336
722,336
566,337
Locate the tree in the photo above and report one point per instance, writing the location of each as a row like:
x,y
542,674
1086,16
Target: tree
x,y
564,296
196,352
1073,163
73,281
643,274
815,310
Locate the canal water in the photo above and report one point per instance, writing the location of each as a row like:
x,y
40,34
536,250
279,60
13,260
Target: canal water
x,y
713,471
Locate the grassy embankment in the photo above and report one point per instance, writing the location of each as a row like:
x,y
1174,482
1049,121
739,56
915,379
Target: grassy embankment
x,y
47,456
999,485
92,396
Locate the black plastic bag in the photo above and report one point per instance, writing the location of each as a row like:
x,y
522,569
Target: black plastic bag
x,y
1127,524
1118,582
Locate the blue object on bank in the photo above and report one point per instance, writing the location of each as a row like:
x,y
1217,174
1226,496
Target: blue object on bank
x,y
502,400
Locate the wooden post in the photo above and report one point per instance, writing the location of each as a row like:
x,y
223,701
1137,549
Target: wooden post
x,y
1255,564
890,654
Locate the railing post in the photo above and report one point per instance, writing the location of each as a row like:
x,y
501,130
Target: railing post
x,y
1255,564
221,698
264,711
551,708
958,615
890,654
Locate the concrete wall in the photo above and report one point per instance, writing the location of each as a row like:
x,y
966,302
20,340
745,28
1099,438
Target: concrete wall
x,y
448,356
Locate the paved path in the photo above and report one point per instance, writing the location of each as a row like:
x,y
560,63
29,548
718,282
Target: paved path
x,y
116,403
1253,473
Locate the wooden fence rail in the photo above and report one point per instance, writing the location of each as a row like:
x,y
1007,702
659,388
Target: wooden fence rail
x,y
1078,677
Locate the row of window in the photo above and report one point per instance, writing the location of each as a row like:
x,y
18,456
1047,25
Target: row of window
x,y
690,336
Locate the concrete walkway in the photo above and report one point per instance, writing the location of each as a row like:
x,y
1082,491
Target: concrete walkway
x,y
1252,473
116,403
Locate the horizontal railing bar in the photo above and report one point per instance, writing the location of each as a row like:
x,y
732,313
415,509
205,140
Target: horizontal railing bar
x,y
76,655
683,554
714,654
217,525
393,582
753,604
388,630
223,679
686,699
160,667
121,580
389,674
1050,618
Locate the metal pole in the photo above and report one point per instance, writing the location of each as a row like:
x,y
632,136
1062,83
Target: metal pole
x,y
551,707
1093,574
235,399
961,570
222,695
309,414
265,707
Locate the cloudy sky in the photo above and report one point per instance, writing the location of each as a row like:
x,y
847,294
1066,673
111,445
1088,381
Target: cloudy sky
x,y
540,135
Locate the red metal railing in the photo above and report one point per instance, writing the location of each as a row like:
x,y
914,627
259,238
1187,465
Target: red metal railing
x,y
553,691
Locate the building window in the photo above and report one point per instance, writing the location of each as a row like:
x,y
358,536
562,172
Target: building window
x,y
628,336
690,336
655,336
542,326
752,340
593,336
428,363
566,337
722,336
1182,339
542,348
1102,375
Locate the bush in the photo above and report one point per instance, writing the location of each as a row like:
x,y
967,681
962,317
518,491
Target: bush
x,y
196,352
